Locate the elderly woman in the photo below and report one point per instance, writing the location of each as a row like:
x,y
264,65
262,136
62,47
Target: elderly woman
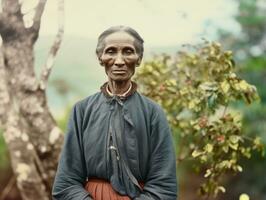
x,y
118,144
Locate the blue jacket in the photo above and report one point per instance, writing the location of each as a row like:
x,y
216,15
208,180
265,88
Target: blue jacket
x,y
141,150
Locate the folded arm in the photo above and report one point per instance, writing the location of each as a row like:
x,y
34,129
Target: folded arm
x,y
71,172
161,183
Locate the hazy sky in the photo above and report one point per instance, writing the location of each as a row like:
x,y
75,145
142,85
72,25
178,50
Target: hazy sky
x,y
160,22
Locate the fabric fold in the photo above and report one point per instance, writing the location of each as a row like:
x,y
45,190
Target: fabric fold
x,y
122,179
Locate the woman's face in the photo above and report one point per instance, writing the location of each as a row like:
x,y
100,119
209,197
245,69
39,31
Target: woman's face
x,y
119,56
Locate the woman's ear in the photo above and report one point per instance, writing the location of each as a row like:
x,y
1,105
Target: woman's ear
x,y
138,62
99,58
100,61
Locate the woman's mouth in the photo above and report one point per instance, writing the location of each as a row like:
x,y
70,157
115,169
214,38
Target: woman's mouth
x,y
118,71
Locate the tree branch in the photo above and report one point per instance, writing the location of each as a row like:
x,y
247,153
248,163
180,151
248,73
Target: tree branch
x,y
29,181
11,20
4,96
38,14
7,7
17,141
8,187
2,20
54,49
11,7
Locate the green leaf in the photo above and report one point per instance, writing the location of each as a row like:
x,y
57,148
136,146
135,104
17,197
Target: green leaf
x,y
209,86
243,197
225,86
225,149
239,168
234,139
233,146
208,148
211,100
208,173
196,153
221,188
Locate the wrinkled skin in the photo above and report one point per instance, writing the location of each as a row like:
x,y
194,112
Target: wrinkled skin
x,y
120,59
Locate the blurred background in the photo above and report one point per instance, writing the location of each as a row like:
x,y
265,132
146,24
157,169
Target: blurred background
x,y
239,25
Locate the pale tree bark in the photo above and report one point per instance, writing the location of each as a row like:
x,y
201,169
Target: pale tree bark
x,y
30,131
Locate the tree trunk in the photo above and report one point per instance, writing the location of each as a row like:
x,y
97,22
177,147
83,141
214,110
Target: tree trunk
x,y
30,131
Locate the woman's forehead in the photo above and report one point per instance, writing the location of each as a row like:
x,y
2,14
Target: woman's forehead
x,y
120,37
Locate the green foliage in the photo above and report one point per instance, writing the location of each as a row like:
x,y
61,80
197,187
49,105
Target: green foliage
x,y
250,14
196,88
4,161
252,19
256,64
250,51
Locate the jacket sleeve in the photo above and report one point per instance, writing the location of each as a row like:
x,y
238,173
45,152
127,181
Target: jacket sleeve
x,y
161,182
71,172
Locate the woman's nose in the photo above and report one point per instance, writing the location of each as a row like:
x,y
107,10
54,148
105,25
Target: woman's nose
x,y
119,60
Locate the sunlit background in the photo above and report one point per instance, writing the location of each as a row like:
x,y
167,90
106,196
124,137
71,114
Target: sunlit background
x,y
161,23
166,25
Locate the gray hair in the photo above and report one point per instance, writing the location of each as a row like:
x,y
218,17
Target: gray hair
x,y
138,40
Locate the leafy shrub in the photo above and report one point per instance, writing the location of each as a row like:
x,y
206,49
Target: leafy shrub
x,y
196,88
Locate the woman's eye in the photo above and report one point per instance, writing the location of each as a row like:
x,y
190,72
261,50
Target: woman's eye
x,y
110,51
129,51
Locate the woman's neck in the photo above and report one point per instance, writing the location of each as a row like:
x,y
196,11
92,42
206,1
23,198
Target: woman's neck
x,y
118,87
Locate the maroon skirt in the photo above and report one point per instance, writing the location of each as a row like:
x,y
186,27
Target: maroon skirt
x,y
101,189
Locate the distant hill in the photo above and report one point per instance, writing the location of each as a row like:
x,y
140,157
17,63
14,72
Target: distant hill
x,y
76,69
